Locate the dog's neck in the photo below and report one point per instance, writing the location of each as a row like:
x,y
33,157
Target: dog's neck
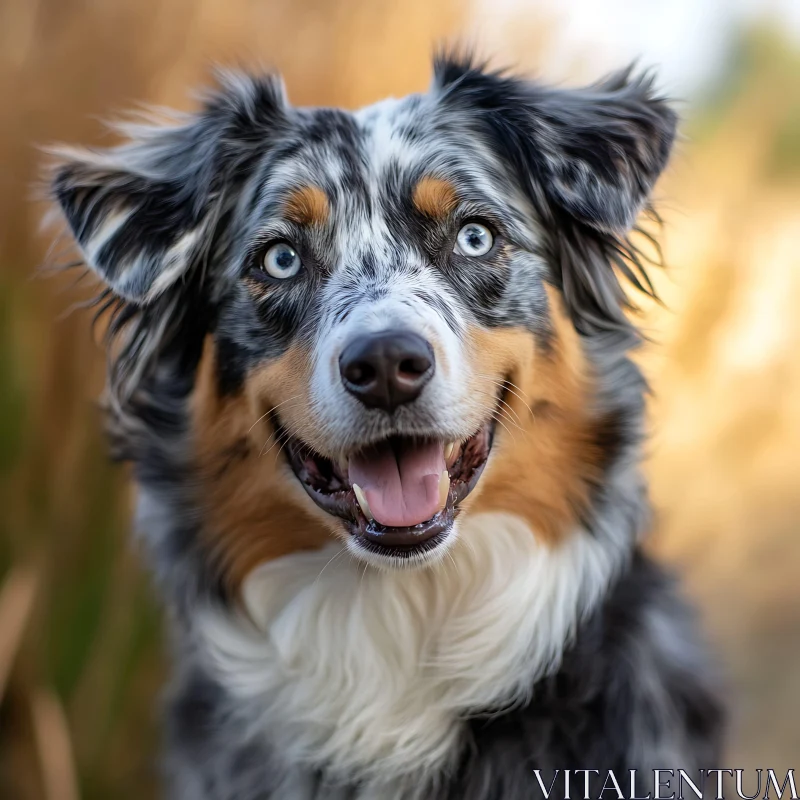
x,y
366,668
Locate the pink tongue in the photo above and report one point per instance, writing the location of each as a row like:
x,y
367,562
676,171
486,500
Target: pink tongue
x,y
400,481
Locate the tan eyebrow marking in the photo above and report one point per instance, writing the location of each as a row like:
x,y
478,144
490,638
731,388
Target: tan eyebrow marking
x,y
307,205
434,197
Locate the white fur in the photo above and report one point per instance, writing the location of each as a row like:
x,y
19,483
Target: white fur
x,y
175,263
103,233
368,671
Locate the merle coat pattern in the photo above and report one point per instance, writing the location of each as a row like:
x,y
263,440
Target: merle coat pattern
x,y
532,633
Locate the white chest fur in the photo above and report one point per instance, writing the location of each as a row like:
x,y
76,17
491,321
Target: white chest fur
x,y
367,672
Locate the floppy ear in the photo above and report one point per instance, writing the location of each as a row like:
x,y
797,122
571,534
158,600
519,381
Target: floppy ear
x,y
587,159
143,212
595,153
604,148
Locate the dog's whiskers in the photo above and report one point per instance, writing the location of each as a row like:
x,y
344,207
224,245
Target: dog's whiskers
x,y
499,413
505,406
277,435
329,561
274,408
511,387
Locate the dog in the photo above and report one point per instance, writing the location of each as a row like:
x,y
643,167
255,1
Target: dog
x,y
372,371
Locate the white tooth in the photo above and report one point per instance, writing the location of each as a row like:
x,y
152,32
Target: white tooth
x,y
444,487
362,501
448,450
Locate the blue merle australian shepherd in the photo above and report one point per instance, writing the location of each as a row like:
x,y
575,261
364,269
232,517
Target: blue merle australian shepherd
x,y
372,372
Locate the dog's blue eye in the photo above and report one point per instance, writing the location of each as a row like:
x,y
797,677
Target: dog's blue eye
x,y
282,261
474,239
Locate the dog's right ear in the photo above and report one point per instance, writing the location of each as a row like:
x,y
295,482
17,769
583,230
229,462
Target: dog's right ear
x,y
142,212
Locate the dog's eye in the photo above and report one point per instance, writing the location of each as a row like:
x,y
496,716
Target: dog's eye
x,y
474,239
281,261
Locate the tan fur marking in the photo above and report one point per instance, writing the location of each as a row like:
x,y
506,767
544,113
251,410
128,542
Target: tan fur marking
x,y
254,508
307,205
544,464
434,197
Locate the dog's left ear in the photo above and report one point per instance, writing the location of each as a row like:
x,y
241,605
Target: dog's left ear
x,y
142,212
595,152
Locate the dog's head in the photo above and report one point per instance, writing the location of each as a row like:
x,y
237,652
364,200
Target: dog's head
x,y
375,306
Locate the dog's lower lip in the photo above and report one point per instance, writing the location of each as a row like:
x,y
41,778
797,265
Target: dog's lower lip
x,y
412,537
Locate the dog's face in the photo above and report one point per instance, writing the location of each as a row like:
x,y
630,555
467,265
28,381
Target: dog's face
x,y
390,300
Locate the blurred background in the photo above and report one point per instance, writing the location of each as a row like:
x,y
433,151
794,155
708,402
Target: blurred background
x,y
81,659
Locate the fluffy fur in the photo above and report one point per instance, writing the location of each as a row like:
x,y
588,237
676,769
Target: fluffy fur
x,y
534,634
474,632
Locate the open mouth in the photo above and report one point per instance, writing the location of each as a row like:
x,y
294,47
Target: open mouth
x,y
399,497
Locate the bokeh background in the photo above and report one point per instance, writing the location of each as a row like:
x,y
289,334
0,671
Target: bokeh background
x,y
81,660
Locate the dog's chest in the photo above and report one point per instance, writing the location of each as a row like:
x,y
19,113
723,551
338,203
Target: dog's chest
x,y
367,674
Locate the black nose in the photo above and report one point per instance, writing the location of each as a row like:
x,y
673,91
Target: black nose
x,y
387,369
